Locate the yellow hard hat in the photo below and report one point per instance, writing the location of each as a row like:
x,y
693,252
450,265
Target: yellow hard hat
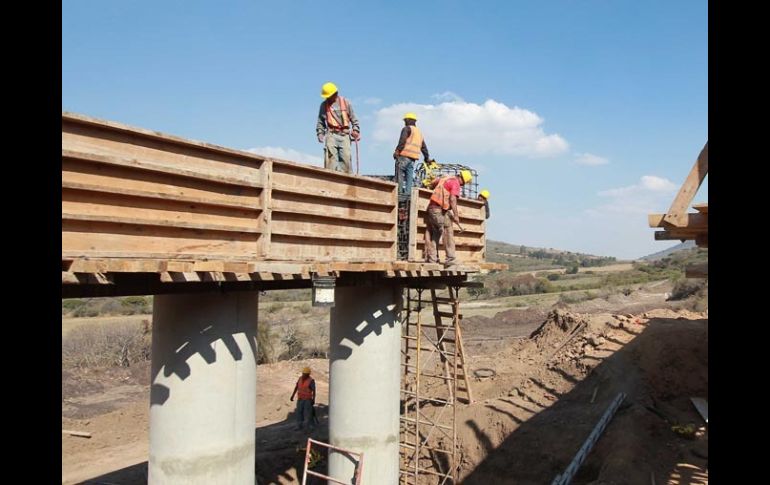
x,y
328,89
466,175
410,116
484,193
306,370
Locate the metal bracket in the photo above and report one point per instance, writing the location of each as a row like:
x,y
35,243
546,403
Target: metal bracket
x,y
323,290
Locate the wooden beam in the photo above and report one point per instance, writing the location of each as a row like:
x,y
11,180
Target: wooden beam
x,y
694,221
675,235
677,213
703,208
154,166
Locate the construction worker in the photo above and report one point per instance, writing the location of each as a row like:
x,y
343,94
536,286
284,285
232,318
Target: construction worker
x,y
442,211
484,197
410,144
337,125
305,391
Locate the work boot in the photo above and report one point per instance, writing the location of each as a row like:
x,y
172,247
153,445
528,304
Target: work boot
x,y
449,263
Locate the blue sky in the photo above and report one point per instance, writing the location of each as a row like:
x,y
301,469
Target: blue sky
x,y
582,117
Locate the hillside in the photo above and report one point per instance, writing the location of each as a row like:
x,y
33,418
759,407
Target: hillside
x,y
525,258
669,251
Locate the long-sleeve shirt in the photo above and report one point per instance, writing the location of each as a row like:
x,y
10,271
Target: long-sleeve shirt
x,y
405,132
320,127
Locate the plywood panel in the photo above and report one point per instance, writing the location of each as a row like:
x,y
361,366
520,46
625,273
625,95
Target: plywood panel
x,y
88,238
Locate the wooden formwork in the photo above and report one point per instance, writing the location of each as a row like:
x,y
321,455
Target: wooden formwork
x,y
470,245
134,193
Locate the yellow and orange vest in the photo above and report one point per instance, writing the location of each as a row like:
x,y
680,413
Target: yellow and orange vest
x,y
331,120
413,144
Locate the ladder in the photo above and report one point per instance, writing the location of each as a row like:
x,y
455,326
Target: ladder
x,y
434,379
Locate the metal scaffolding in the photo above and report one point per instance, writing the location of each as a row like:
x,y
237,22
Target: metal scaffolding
x,y
434,363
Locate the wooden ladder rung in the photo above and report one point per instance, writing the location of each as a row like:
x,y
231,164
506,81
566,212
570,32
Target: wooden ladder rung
x,y
449,314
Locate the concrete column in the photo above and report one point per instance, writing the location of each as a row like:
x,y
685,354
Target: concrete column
x,y
204,389
364,381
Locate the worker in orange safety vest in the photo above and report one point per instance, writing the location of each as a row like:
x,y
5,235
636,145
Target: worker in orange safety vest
x,y
441,212
305,392
336,126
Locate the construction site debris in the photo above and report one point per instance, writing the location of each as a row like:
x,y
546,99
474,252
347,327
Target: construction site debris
x,y
81,434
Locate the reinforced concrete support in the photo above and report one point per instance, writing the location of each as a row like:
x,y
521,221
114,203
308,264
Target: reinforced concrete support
x,y
204,389
364,381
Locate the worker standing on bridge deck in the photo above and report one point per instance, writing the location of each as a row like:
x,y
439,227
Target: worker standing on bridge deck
x,y
305,391
484,197
337,125
442,211
410,144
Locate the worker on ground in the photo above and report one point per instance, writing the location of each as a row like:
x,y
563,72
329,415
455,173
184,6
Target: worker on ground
x,y
442,211
337,125
484,197
305,391
410,144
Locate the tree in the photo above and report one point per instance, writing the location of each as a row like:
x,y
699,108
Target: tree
x,y
573,270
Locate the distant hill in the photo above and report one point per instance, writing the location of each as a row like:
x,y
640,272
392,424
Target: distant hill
x,y
667,252
526,258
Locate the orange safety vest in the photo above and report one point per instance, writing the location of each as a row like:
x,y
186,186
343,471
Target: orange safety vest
x,y
331,118
303,388
440,194
413,144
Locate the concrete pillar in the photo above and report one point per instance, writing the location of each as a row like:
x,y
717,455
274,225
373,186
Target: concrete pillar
x,y
204,389
364,381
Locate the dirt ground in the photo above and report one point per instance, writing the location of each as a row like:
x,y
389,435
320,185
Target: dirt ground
x,y
528,419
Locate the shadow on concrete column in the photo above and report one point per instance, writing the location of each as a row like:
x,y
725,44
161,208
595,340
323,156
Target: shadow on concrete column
x,y
364,382
203,394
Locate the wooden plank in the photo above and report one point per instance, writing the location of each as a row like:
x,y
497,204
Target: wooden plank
x,y
163,138
287,231
114,208
675,235
694,221
703,208
320,192
78,174
105,138
702,241
107,239
81,434
267,213
71,216
697,271
328,211
677,213
156,195
177,169
71,278
414,201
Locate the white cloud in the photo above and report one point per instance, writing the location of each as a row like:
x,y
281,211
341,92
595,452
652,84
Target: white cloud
x,y
457,127
649,195
447,96
287,154
648,183
590,160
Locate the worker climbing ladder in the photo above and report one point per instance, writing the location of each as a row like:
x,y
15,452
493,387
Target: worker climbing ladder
x,y
434,382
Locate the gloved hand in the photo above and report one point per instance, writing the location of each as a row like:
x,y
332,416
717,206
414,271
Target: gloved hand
x,y
355,136
321,138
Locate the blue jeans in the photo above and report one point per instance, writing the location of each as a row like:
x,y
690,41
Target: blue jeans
x,y
304,413
405,174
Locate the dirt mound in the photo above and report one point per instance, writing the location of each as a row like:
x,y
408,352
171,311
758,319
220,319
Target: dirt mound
x,y
555,328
